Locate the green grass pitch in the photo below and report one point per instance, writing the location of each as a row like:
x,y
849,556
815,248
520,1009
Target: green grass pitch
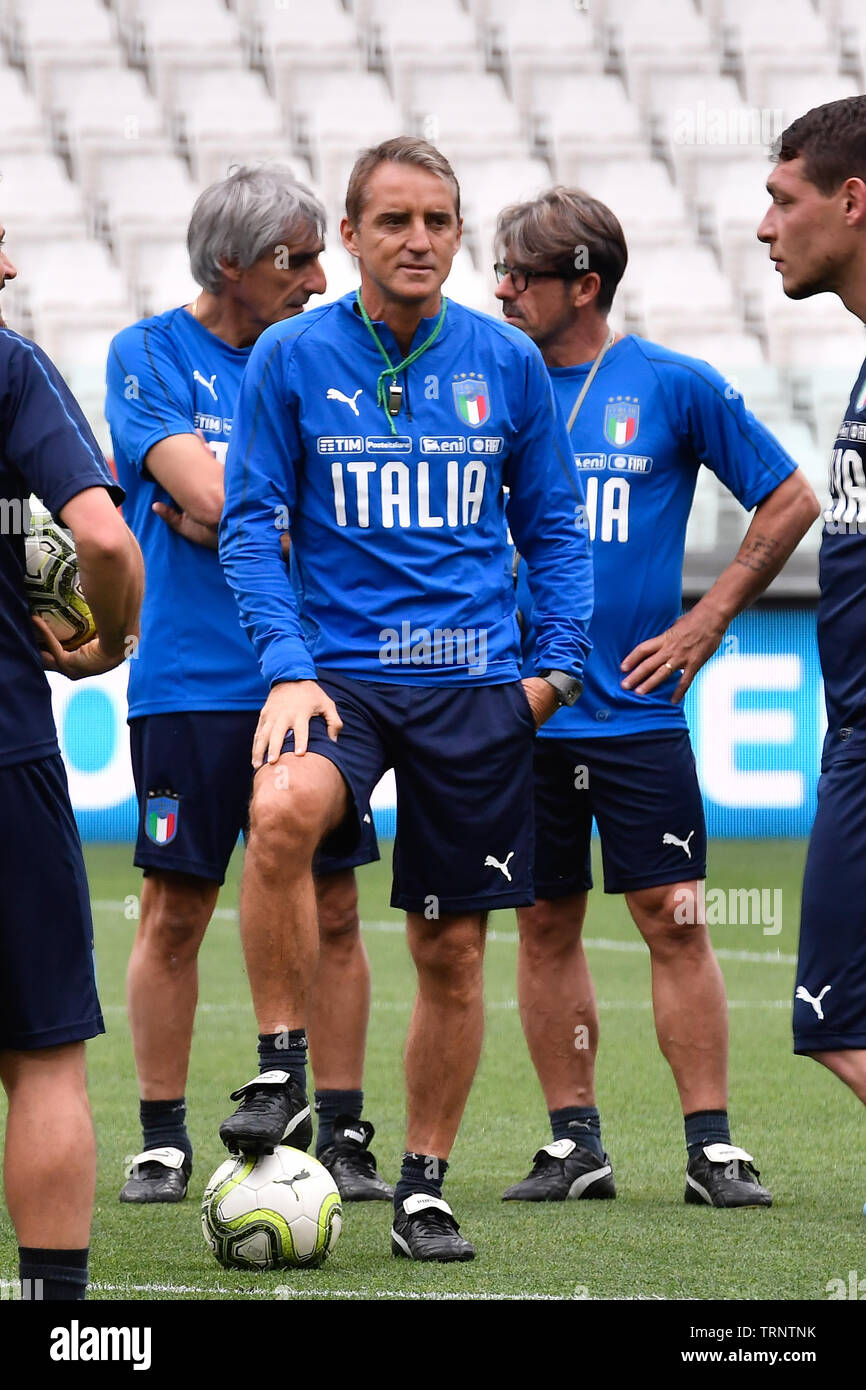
x,y
804,1127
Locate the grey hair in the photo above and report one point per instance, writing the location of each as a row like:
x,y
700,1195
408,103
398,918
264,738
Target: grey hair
x,y
242,217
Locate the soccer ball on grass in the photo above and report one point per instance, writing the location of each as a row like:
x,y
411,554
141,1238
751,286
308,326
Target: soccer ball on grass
x,y
279,1211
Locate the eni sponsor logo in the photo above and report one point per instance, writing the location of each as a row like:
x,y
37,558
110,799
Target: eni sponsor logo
x,y
443,444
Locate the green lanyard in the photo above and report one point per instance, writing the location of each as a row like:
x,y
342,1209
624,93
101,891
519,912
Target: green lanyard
x,y
392,399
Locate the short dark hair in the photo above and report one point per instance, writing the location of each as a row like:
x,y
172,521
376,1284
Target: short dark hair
x,y
565,226
403,149
832,141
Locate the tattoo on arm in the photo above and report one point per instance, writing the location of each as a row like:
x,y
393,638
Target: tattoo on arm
x,y
757,552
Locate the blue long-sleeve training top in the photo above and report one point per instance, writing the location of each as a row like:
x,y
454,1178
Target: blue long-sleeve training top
x,y
401,559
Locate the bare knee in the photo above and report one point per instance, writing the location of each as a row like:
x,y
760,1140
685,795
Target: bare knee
x,y
175,911
449,956
337,905
670,918
62,1068
551,927
290,812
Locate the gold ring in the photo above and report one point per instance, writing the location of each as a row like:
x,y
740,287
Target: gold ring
x,y
669,666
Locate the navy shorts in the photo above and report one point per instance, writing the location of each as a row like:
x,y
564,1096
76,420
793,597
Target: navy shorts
x,y
642,790
193,778
830,996
47,979
462,760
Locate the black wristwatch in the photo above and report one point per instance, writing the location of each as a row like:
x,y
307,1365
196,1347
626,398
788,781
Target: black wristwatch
x,y
567,687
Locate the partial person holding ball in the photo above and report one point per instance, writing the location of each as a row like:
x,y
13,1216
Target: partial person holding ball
x,y
48,1000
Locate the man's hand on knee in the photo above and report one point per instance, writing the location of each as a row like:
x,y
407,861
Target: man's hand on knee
x,y
291,705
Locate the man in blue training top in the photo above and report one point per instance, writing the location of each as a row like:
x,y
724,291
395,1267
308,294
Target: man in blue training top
x,y
48,1000
195,689
399,433
639,434
816,231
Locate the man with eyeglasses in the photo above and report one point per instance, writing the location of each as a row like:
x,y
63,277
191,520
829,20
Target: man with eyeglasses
x,y
642,421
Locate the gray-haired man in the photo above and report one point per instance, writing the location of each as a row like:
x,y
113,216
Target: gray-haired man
x,y
195,690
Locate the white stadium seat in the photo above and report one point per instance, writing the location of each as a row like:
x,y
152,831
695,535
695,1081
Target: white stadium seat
x,y
749,173
24,128
81,353
107,111
731,353
330,119
77,284
766,391
793,94
39,200
736,203
817,332
471,287
309,35
226,117
135,200
679,287
407,44
657,39
812,457
37,39
492,187
840,14
775,36
717,522
163,278
589,121
471,122
663,112
701,125
534,41
172,39
629,187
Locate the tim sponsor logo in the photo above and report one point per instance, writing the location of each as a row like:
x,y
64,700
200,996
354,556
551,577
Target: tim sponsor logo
x,y
77,1343
340,444
213,424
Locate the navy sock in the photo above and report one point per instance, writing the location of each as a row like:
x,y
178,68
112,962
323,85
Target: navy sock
x,y
706,1127
330,1104
285,1051
582,1123
419,1173
55,1275
163,1124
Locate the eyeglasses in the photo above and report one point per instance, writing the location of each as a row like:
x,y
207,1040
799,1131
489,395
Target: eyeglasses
x,y
520,278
